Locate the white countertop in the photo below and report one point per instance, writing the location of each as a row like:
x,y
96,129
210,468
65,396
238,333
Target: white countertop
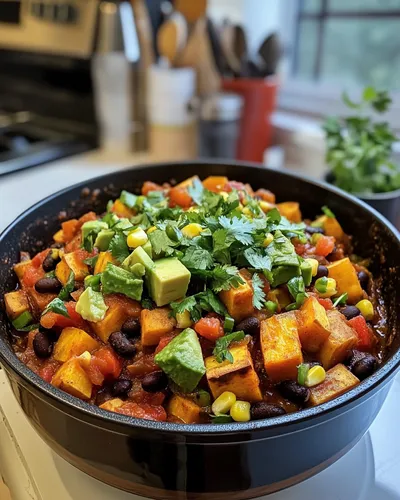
x,y
371,471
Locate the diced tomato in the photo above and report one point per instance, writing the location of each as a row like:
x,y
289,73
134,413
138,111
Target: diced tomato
x,y
31,275
146,411
165,340
131,307
51,319
364,334
37,261
109,364
145,364
300,248
69,228
48,370
151,398
179,197
150,186
325,245
94,373
265,195
210,328
326,303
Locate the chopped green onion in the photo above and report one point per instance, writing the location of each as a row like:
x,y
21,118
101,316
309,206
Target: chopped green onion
x,y
302,371
291,307
341,300
321,284
22,320
173,233
271,306
328,212
50,274
221,419
110,204
202,398
229,323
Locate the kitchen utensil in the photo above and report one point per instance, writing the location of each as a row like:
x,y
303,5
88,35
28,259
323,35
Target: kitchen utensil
x,y
198,54
215,44
172,37
227,38
256,130
193,10
227,461
144,33
270,51
219,124
239,43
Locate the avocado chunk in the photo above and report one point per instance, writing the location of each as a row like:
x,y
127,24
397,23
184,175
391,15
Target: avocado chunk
x,y
114,279
182,360
91,305
167,280
92,227
103,239
138,256
148,249
306,272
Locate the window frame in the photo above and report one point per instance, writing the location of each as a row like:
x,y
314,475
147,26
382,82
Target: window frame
x,y
313,98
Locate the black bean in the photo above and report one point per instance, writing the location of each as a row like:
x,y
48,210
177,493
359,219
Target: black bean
x,y
365,366
122,345
350,312
265,410
250,326
103,395
294,392
314,230
131,327
363,278
48,285
154,382
51,334
322,272
42,346
57,245
352,358
49,263
121,387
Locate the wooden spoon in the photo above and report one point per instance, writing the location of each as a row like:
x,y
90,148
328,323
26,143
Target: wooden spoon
x,y
193,10
172,37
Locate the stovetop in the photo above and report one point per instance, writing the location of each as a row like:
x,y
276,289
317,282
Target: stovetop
x,y
26,142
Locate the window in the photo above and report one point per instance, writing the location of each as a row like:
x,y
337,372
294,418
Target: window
x,y
349,42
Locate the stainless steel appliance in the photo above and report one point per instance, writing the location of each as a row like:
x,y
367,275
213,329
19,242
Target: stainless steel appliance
x,y
47,90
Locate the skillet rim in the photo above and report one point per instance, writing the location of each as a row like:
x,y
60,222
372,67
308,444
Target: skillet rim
x,y
35,383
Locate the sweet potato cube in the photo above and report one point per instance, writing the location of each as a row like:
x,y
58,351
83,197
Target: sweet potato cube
x,y
342,338
290,210
312,324
21,267
239,301
338,381
155,324
188,182
280,346
215,183
238,377
62,271
72,378
332,227
112,404
76,265
102,261
112,322
16,303
39,301
73,342
58,237
69,229
346,279
185,409
122,210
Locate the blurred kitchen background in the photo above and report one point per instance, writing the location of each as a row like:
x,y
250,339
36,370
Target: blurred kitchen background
x,y
182,79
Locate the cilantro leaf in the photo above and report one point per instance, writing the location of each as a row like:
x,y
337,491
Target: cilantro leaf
x,y
257,260
211,200
274,216
341,300
240,229
196,191
187,304
225,277
119,248
222,240
220,351
147,303
197,258
281,251
68,287
57,306
210,302
328,212
161,244
91,261
258,292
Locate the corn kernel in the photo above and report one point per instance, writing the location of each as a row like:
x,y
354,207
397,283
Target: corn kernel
x,y
137,238
240,411
224,195
240,207
315,375
326,287
246,211
266,206
315,237
84,359
193,209
183,320
192,230
151,229
223,403
366,308
59,236
269,238
314,265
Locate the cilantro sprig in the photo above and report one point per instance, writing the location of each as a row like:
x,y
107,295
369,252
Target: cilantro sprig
x,y
222,344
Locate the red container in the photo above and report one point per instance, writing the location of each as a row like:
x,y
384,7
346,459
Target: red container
x,y
259,103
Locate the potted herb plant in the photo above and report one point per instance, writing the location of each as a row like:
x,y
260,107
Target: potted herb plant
x,y
359,153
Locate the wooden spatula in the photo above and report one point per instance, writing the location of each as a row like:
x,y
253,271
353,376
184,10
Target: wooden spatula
x,y
193,10
172,37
